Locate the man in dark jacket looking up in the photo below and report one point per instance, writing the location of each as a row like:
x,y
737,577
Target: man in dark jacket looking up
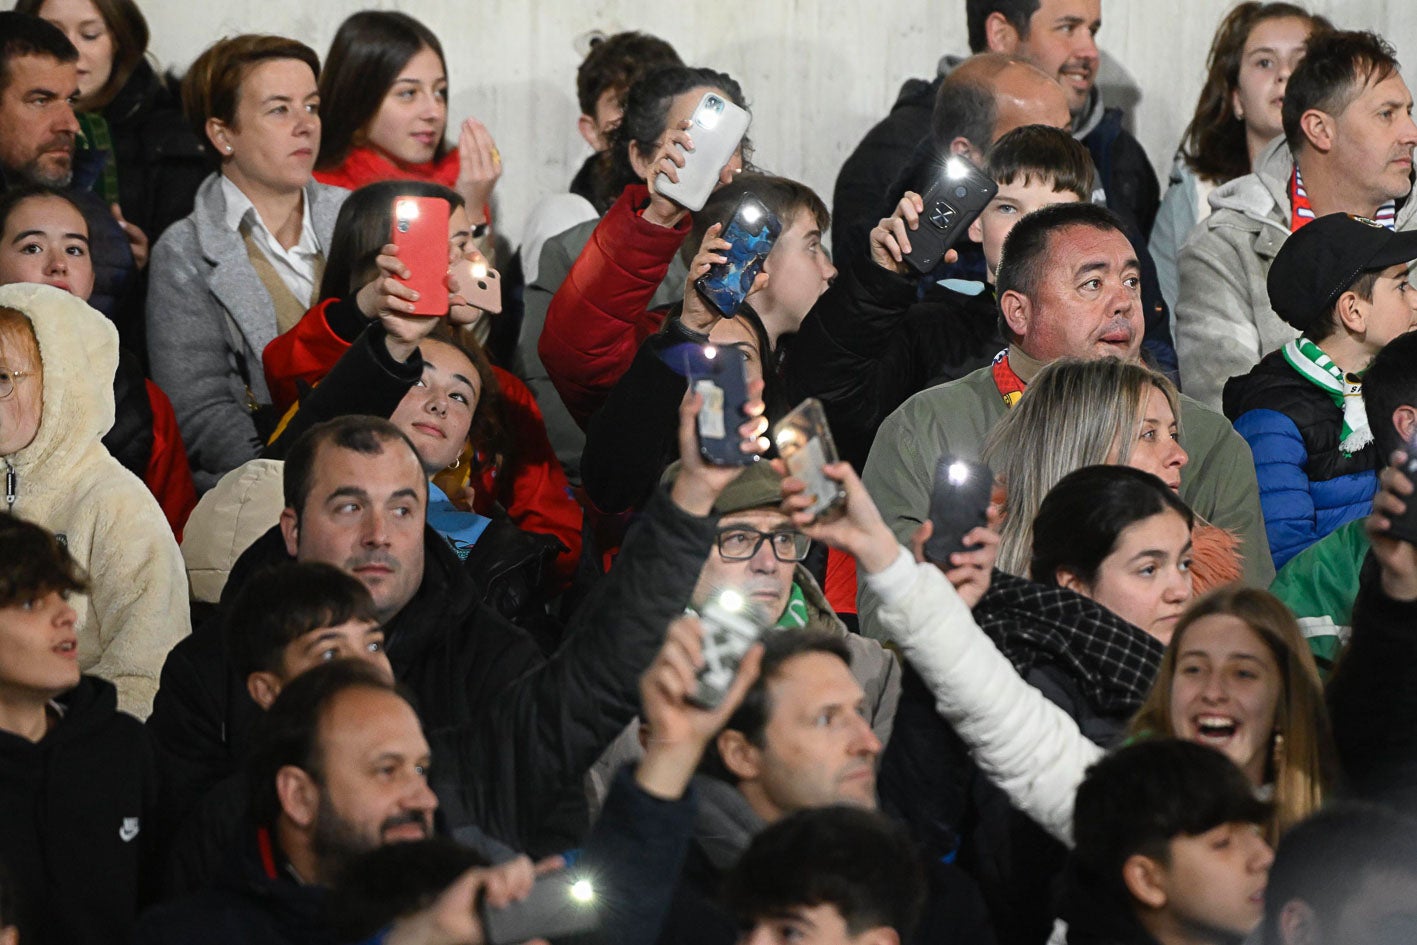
x,y
533,726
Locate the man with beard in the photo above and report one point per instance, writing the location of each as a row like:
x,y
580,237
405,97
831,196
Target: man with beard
x,y
1067,288
39,82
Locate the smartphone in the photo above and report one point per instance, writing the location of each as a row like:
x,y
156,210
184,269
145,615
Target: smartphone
x,y
752,230
959,503
959,194
731,627
1404,526
420,231
720,374
717,128
804,441
560,904
475,284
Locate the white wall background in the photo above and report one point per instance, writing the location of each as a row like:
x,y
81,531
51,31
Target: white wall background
x,y
818,73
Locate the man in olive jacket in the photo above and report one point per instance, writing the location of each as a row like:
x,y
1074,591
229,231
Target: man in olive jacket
x,y
1068,287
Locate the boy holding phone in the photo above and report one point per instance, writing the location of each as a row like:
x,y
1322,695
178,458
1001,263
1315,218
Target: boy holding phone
x,y
872,340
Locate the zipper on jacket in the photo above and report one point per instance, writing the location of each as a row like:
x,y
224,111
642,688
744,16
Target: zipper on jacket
x,y
11,483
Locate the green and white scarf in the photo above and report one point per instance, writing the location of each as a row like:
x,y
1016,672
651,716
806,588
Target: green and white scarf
x,y
1346,390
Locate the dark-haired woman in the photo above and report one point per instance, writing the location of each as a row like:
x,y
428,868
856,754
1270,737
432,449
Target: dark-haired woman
x,y
503,457
1254,51
384,94
154,163
602,312
1110,569
641,232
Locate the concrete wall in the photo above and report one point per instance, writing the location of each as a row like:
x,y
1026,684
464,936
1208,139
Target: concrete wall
x,y
818,73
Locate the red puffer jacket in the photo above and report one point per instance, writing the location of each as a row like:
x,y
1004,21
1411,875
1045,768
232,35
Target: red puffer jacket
x,y
532,489
600,315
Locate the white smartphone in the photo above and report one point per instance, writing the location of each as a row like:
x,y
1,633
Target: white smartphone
x,y
717,128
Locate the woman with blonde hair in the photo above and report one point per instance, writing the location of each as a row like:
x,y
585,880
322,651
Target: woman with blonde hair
x,y
1083,413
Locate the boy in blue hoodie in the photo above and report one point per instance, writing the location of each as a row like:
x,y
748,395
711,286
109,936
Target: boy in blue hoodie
x,y
1342,282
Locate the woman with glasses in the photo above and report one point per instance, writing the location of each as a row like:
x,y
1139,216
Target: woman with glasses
x,y
57,361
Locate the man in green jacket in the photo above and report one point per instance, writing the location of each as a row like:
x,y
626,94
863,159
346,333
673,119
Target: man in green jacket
x,y
1067,287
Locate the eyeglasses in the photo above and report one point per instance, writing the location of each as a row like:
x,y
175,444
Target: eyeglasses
x,y
8,380
740,543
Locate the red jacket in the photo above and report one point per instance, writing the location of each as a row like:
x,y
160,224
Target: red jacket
x,y
167,474
363,166
600,314
533,489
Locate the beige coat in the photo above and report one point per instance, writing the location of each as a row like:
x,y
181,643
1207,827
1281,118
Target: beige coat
x,y
65,480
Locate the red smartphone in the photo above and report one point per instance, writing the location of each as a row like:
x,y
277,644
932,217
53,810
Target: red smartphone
x,y
420,231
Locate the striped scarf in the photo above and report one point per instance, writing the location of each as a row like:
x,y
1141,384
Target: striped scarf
x,y
1302,211
1346,390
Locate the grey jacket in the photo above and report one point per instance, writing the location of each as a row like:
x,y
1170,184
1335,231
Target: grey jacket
x,y
1224,323
209,320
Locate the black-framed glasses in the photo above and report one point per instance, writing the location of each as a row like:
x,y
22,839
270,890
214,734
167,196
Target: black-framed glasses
x,y
739,543
8,380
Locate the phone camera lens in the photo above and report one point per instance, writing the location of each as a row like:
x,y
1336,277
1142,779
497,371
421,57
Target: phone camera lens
x,y
403,226
961,191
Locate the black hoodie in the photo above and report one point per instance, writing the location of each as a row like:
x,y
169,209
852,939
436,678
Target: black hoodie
x,y
75,820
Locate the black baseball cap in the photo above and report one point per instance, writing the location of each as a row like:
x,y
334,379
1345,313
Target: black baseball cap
x,y
1322,261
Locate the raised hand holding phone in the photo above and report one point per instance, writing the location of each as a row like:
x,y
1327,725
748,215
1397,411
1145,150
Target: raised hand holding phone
x,y
890,238
750,236
672,154
859,530
698,483
420,231
717,126
959,194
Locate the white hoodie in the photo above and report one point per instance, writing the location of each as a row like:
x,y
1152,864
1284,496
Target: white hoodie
x,y
66,481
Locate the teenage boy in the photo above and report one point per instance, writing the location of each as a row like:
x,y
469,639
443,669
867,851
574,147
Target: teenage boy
x,y
871,341
1341,282
1168,850
77,777
831,876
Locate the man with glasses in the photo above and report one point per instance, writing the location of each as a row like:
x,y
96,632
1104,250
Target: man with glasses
x,y
758,555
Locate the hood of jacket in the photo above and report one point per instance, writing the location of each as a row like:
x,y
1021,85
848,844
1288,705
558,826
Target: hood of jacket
x,y
1263,194
86,708
78,349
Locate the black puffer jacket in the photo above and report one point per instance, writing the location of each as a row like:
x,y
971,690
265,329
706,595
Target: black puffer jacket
x,y
76,821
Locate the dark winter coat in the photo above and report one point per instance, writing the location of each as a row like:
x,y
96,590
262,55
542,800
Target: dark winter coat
x,y
161,162
869,344
1092,664
1308,486
77,821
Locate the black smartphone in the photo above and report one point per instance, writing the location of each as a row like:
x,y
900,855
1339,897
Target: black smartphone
x,y
1404,526
753,230
559,904
959,194
959,503
731,627
720,374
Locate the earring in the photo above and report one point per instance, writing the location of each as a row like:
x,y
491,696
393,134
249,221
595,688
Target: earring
x,y
1277,756
455,463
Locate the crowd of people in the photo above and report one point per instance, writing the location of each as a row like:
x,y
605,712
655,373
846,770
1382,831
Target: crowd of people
x,y
334,613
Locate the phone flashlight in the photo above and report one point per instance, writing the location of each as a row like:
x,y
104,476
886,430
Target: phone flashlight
x,y
710,352
752,213
479,270
407,210
958,473
709,115
955,169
